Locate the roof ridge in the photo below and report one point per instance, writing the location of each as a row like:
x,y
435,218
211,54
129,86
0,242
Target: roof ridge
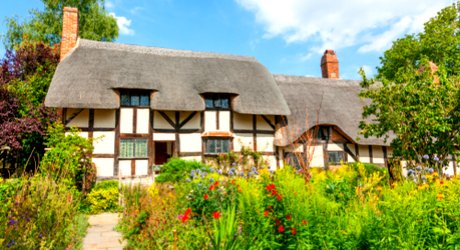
x,y
160,51
314,80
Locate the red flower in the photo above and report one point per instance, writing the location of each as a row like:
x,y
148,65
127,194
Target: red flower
x,y
293,231
280,229
288,217
266,213
279,197
271,187
277,222
184,217
216,183
270,207
216,215
274,192
212,187
304,222
206,196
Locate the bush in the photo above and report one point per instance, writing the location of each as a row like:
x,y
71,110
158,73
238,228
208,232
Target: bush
x,y
41,213
69,160
103,197
176,170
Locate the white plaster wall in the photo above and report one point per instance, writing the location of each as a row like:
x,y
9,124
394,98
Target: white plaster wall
x,y
80,121
281,157
377,155
164,137
265,143
270,160
210,121
352,149
82,134
142,167
334,147
104,142
126,120
242,121
191,158
318,157
298,148
104,118
104,166
160,123
143,118
262,124
124,166
240,140
194,123
190,142
224,120
364,153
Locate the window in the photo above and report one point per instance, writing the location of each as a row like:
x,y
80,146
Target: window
x,y
217,101
335,157
217,145
135,99
133,148
323,133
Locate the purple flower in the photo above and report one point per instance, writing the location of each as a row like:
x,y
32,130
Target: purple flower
x,y
211,179
426,157
435,158
418,168
430,170
254,169
12,222
40,235
219,171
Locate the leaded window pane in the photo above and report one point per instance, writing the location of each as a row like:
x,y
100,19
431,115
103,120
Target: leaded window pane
x,y
125,100
126,148
134,100
224,103
144,100
140,148
209,103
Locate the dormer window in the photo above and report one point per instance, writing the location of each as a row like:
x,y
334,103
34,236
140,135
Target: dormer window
x,y
217,101
134,98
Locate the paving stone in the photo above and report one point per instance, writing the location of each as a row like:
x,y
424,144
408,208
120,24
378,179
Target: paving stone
x,y
101,233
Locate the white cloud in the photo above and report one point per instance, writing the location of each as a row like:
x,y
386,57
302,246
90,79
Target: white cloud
x,y
371,25
109,4
367,69
123,24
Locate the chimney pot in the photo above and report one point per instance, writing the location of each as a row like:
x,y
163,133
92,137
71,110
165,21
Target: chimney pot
x,y
69,30
330,65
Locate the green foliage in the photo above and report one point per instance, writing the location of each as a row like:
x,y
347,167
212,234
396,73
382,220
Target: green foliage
x,y
95,23
282,211
438,43
103,197
177,169
419,106
68,159
40,213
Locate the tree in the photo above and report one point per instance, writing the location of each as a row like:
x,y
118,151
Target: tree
x,y
46,26
413,100
24,79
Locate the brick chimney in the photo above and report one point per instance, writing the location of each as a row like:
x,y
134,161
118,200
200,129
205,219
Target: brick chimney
x,y
69,30
330,65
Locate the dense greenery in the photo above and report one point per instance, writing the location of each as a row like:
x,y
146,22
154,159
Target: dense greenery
x,y
104,197
413,100
176,170
352,207
46,25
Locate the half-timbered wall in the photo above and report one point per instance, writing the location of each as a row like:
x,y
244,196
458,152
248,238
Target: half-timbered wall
x,y
100,125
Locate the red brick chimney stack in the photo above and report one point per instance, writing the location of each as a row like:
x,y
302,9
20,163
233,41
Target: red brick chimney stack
x,y
330,65
69,30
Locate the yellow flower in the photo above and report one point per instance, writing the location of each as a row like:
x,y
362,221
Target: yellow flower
x,y
440,197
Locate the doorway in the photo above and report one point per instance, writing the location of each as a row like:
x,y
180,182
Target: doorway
x,y
163,151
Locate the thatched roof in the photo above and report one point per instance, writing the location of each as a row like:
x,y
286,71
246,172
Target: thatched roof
x,y
317,101
88,76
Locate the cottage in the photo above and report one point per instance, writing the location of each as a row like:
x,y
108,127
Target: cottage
x,y
147,104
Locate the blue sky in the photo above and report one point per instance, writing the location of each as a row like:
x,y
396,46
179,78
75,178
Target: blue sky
x,y
287,36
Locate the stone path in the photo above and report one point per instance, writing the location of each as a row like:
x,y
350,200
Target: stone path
x,y
101,233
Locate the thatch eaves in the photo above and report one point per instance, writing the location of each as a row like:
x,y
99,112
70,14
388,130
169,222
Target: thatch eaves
x,y
92,72
318,101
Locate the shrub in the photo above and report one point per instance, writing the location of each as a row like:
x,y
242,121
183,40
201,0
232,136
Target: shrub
x,y
69,159
176,170
103,197
41,214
